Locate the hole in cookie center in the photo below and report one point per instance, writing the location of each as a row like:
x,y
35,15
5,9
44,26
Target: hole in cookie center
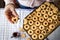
x,y
37,31
40,36
14,19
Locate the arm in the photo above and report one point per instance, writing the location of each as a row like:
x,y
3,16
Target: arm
x,y
10,9
9,1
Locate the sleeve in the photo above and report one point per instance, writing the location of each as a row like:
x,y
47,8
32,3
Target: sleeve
x,y
9,1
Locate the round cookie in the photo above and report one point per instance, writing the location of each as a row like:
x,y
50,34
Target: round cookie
x,y
45,23
26,27
50,13
54,17
41,19
51,26
23,35
49,20
37,23
38,14
37,31
35,18
45,16
48,30
38,10
47,3
41,27
43,6
29,17
43,11
30,32
44,32
14,19
30,22
33,27
34,36
25,21
41,36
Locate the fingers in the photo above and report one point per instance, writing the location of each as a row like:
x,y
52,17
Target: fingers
x,y
14,13
8,16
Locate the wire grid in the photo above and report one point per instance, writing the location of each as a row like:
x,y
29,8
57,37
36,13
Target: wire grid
x,y
6,28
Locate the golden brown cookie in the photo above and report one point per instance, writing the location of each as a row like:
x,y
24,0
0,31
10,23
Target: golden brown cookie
x,y
35,18
41,19
54,17
37,23
51,26
44,32
50,13
49,20
41,27
30,22
37,31
28,39
43,11
33,27
29,17
34,36
26,27
30,32
15,19
25,21
23,35
43,6
45,23
45,16
38,14
47,3
41,36
48,30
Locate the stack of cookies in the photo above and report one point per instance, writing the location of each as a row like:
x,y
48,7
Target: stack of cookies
x,y
42,21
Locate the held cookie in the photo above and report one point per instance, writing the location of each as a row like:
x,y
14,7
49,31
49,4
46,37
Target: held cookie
x,y
15,19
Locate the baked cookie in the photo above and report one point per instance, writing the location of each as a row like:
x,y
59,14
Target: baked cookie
x,y
41,19
54,17
15,19
38,14
30,22
51,26
45,16
30,32
41,27
26,27
41,36
25,21
34,36
45,23
28,39
50,13
23,35
44,32
37,23
33,27
37,31
35,18
49,20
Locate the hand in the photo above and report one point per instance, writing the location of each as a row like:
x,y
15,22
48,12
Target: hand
x,y
10,12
